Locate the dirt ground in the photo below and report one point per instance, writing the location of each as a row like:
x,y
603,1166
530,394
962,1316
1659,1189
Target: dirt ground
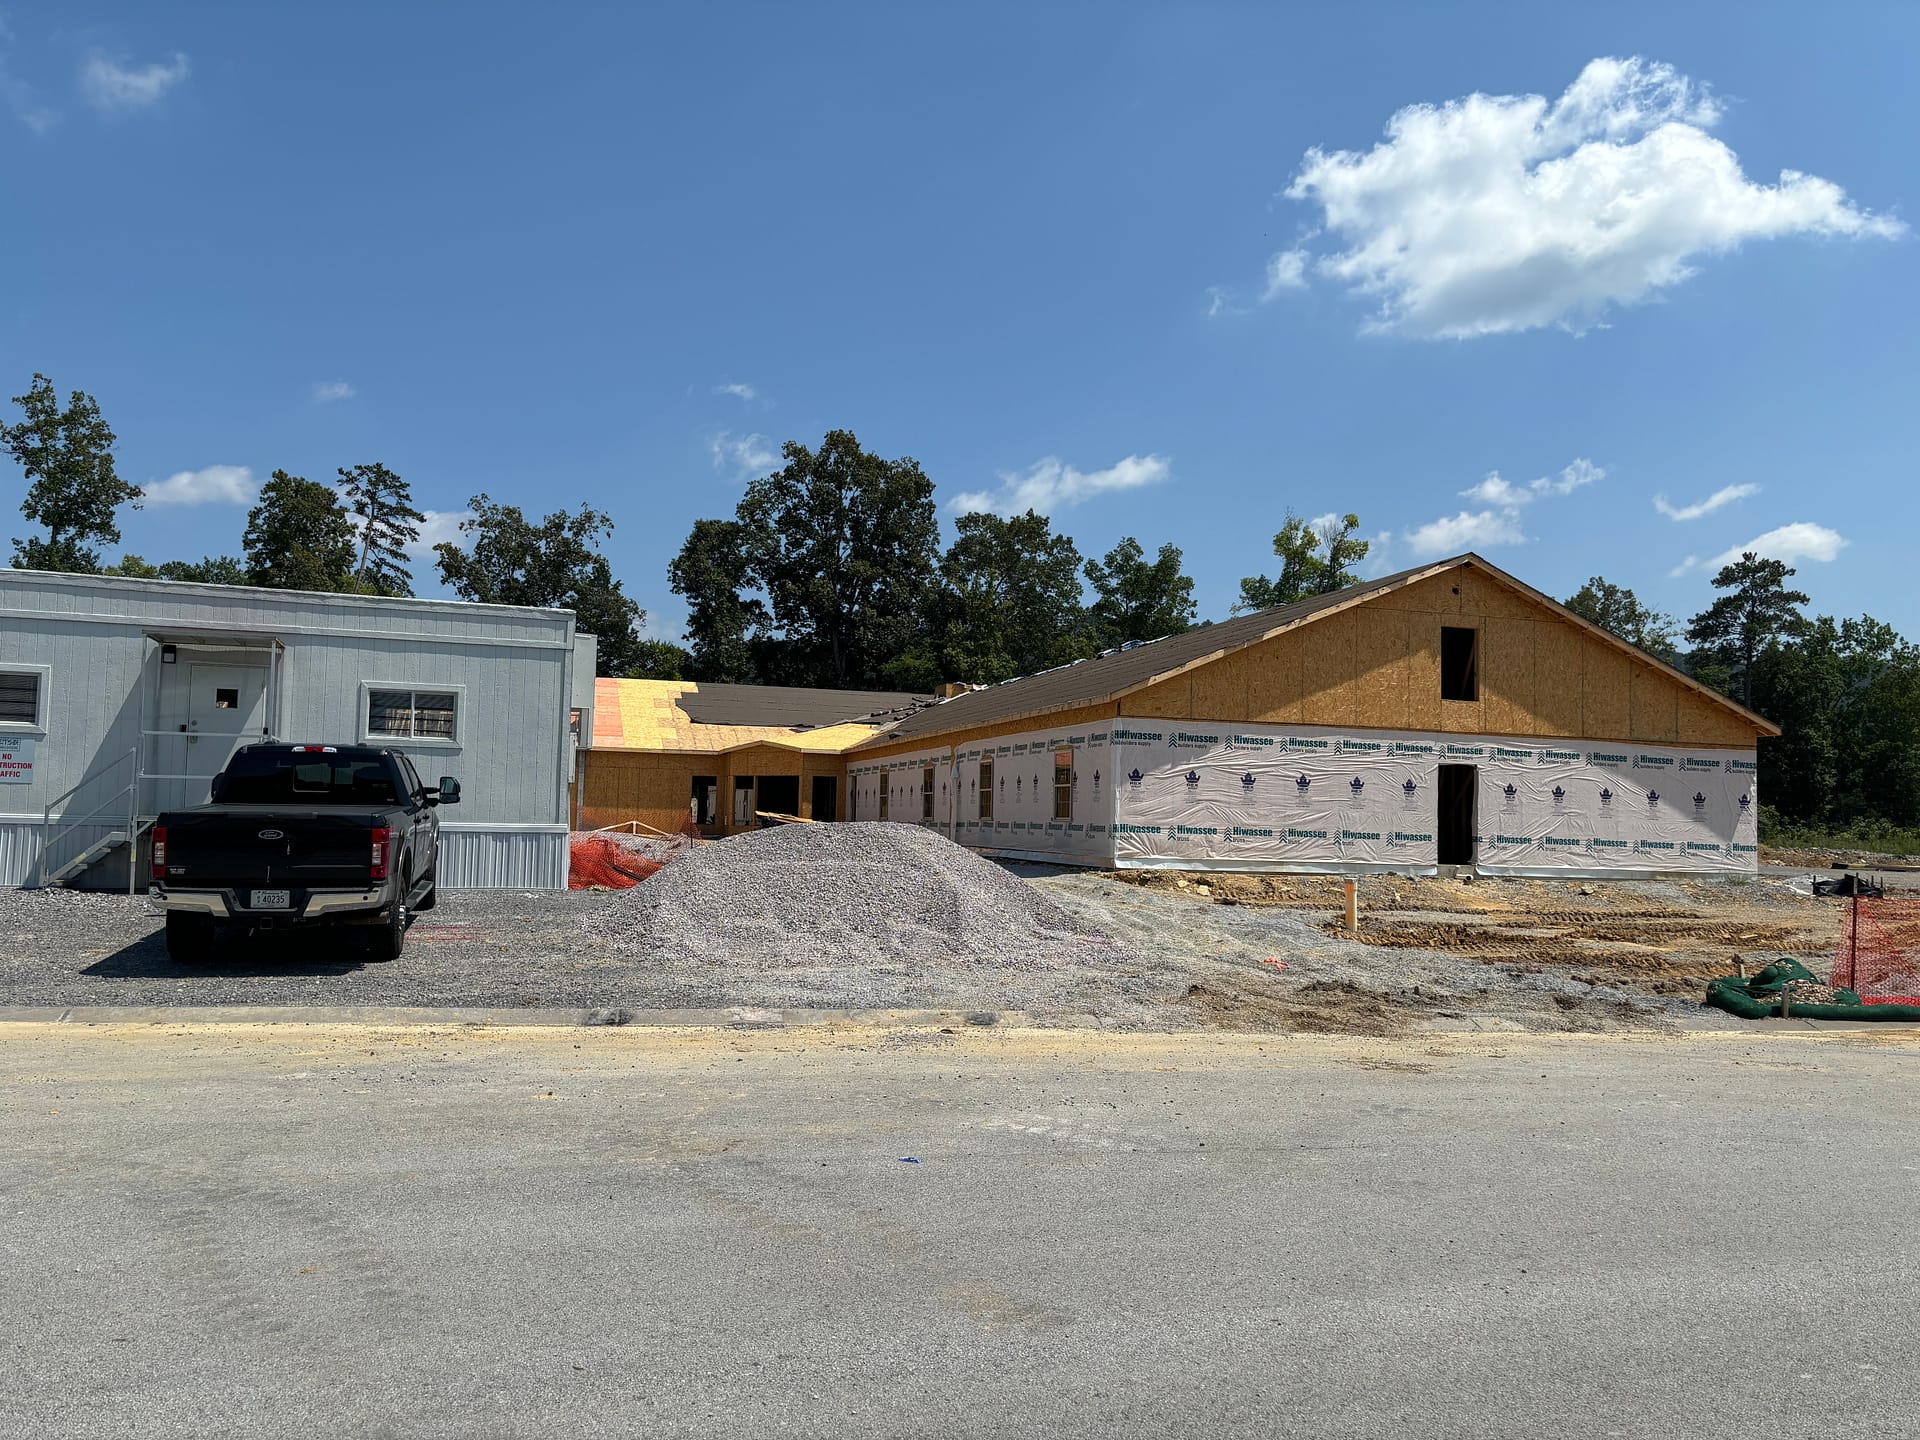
x,y
1631,941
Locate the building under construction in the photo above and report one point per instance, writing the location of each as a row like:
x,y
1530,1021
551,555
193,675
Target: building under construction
x,y
1447,715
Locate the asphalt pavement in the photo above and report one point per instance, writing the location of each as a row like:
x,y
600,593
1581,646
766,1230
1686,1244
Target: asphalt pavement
x,y
351,1231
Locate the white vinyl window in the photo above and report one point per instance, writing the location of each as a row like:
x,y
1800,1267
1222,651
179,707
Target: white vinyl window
x,y
423,715
23,698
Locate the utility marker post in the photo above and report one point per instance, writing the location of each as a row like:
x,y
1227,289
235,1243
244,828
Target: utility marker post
x,y
1353,905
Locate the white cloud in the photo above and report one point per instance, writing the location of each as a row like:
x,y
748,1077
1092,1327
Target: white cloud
x,y
738,389
1469,530
1049,485
1495,491
1686,566
745,457
436,527
1579,472
215,485
328,391
1220,302
1725,495
1286,271
1500,213
1499,523
1802,540
17,94
108,85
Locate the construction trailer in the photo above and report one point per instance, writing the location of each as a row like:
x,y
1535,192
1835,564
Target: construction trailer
x,y
668,751
120,699
1444,716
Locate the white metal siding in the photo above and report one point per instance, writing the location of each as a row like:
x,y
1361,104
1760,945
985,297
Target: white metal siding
x,y
515,666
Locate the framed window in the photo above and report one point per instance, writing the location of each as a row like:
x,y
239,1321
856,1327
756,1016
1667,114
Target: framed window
x,y
926,793
886,789
986,787
1063,785
23,698
1459,663
415,715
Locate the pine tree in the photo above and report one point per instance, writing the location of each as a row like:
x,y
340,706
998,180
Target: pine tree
x,y
386,524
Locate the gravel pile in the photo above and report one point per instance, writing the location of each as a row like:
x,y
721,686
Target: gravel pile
x,y
857,895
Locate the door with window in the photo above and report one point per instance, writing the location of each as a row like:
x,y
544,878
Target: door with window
x,y
218,709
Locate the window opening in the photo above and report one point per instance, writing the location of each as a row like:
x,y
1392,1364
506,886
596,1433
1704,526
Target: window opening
x,y
986,788
1459,663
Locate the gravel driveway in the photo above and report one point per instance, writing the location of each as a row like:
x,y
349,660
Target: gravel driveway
x,y
1182,966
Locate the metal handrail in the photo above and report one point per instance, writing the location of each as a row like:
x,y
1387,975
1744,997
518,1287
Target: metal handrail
x,y
89,778
131,789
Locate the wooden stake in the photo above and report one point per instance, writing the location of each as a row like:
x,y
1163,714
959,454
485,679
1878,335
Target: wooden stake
x,y
1353,905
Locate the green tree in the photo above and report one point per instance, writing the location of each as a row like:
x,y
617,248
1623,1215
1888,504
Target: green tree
x,y
724,621
1617,610
1304,570
385,524
844,545
1758,611
659,660
1847,698
1010,601
1136,598
298,537
555,564
74,490
212,570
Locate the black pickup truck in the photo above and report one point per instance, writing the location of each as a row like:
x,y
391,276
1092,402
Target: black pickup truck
x,y
302,835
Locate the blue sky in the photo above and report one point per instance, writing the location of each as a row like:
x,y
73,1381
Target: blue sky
x,y
1145,265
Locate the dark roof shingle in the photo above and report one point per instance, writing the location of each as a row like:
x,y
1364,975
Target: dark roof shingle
x,y
791,705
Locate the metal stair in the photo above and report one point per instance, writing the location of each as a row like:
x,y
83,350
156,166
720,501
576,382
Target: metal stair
x,y
100,850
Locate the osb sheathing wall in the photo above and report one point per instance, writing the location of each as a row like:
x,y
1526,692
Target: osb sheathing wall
x,y
654,788
1377,666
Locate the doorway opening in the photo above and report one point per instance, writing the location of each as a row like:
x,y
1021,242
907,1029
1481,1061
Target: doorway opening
x,y
824,791
1457,788
779,794
706,799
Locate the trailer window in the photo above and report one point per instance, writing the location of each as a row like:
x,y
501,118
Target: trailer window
x,y
23,698
404,714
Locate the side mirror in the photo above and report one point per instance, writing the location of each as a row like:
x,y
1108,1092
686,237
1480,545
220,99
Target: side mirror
x,y
449,790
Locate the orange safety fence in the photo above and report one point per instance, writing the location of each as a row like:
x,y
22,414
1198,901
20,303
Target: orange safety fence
x,y
595,862
1879,950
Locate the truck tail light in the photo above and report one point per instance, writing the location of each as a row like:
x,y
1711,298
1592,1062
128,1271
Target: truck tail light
x,y
382,852
158,869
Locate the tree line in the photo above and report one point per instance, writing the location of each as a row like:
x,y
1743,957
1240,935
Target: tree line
x,y
831,572
352,537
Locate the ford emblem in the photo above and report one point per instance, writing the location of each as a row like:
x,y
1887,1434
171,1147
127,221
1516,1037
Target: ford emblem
x,y
273,834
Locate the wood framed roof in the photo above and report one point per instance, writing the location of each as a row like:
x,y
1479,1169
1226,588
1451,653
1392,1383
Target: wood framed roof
x,y
1118,673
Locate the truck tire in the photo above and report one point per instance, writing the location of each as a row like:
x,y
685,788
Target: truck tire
x,y
386,940
189,938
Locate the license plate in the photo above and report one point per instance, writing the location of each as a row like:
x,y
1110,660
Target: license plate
x,y
272,900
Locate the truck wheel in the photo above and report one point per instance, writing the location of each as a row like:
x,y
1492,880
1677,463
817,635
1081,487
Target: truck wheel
x,y
386,941
189,938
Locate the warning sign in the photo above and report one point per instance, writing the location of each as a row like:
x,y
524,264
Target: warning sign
x,y
16,759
